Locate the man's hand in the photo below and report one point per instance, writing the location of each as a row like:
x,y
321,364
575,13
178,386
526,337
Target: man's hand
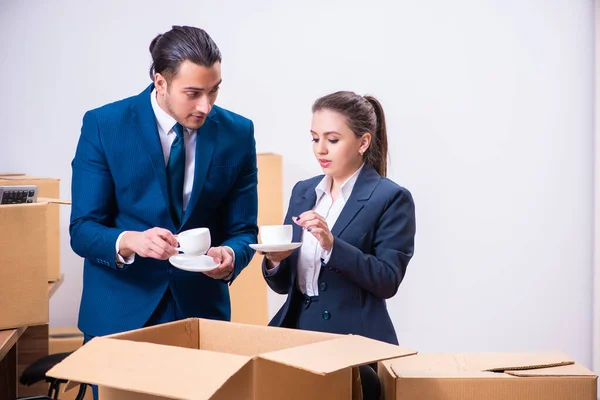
x,y
223,256
155,243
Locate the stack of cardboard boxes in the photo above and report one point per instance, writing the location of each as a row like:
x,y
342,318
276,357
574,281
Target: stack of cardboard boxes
x,y
29,253
29,260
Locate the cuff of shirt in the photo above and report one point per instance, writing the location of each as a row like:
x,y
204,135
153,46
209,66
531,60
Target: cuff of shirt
x,y
272,271
120,259
228,277
325,256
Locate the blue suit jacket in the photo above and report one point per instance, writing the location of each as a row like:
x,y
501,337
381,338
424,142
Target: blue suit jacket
x,y
374,241
120,183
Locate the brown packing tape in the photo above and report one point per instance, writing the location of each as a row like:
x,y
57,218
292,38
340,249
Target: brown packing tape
x,y
559,371
528,367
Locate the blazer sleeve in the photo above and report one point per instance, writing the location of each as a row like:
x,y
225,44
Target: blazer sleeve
x,y
393,244
241,209
93,208
280,279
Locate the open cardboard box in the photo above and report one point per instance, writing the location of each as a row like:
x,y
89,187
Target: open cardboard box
x,y
24,256
490,376
206,359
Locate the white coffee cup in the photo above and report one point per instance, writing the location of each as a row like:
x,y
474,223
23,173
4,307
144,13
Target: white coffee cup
x,y
276,234
194,241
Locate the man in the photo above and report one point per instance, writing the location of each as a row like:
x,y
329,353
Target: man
x,y
150,166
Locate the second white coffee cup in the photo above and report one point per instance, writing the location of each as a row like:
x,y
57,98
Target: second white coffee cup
x,y
276,234
194,241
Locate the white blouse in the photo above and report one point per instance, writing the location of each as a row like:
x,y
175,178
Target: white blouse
x,y
311,252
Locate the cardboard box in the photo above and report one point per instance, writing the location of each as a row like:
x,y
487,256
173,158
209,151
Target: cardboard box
x,y
63,340
23,263
23,257
205,359
490,376
48,188
249,291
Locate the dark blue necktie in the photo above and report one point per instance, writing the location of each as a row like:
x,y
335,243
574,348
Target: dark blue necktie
x,y
175,175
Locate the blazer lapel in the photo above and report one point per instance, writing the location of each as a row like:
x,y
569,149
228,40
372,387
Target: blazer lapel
x,y
303,203
206,141
145,122
363,188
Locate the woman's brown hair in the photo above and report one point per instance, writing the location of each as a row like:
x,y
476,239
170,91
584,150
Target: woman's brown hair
x,y
363,114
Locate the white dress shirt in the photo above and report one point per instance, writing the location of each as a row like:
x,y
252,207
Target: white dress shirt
x,y
167,135
311,252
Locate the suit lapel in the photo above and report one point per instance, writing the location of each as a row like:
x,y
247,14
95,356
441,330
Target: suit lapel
x,y
363,188
145,122
299,205
206,141
303,203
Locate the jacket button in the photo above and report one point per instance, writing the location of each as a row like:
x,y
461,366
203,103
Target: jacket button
x,y
170,270
322,286
326,315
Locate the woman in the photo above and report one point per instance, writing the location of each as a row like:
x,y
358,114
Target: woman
x,y
356,226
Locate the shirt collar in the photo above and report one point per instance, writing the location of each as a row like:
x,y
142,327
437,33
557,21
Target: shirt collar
x,y
164,120
324,187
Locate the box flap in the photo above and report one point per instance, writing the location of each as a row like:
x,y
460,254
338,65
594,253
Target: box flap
x,y
149,368
182,333
53,201
483,365
252,340
336,354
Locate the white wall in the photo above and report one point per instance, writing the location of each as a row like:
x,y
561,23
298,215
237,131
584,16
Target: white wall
x,y
490,112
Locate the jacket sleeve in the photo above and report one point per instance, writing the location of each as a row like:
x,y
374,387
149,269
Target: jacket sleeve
x,y
393,239
93,208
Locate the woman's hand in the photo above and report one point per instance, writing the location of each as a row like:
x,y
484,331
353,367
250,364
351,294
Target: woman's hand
x,y
317,226
275,257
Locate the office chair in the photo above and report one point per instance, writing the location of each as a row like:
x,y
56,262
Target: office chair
x,y
36,372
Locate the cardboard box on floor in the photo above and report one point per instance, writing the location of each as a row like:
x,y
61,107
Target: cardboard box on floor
x,y
23,263
205,359
490,376
48,188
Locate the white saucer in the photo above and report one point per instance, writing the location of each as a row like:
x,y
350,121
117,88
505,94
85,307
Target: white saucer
x,y
192,263
273,248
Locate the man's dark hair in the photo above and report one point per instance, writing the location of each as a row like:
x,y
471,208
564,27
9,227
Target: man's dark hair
x,y
181,43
